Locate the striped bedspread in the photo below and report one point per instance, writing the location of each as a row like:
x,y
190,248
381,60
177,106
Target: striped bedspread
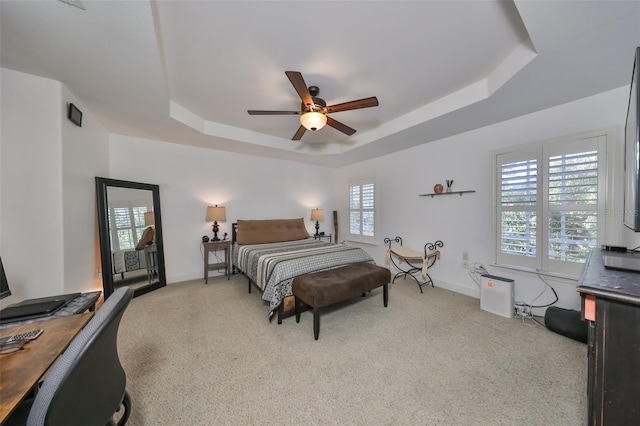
x,y
272,267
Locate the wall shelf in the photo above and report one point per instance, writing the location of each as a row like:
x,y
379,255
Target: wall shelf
x,y
433,194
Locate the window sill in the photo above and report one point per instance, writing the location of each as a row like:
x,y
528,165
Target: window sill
x,y
546,274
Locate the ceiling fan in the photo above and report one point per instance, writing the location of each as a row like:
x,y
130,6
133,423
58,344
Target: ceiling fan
x,y
313,110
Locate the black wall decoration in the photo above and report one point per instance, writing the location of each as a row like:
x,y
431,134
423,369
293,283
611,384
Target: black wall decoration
x,y
75,115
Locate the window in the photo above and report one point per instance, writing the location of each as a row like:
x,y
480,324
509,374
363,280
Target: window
x,y
127,226
550,204
362,210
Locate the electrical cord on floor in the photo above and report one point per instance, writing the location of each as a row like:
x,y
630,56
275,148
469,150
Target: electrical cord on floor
x,y
534,318
523,310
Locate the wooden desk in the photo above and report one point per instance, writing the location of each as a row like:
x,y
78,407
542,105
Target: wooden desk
x,y
214,246
20,371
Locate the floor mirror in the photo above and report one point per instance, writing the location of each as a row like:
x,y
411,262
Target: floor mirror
x,y
130,229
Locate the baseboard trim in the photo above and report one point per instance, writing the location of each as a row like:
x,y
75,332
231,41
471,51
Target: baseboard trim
x,y
467,291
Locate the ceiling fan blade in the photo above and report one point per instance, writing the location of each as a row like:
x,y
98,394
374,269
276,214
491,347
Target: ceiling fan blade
x,y
339,126
299,134
258,112
298,83
361,103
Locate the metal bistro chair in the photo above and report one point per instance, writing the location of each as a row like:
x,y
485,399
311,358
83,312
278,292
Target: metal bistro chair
x,y
86,385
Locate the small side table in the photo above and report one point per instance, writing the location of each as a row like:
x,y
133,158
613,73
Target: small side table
x,y
215,246
320,237
150,258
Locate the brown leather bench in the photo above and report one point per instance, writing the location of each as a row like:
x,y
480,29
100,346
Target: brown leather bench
x,y
321,289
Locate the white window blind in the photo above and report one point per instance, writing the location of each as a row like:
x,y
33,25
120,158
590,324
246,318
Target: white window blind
x,y
362,210
127,226
519,218
549,204
573,205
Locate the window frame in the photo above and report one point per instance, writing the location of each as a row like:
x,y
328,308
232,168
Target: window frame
x,y
360,238
542,152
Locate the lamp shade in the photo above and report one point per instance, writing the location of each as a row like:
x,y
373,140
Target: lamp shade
x,y
216,214
317,214
313,120
149,219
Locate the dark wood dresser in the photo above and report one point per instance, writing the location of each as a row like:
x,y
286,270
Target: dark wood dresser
x,y
611,304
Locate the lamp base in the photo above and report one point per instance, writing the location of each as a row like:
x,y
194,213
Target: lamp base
x,y
317,228
215,231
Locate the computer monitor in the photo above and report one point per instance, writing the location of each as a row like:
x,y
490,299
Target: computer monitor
x,y
4,285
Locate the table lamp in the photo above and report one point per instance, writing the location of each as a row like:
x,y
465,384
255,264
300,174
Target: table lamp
x,y
215,214
149,219
317,215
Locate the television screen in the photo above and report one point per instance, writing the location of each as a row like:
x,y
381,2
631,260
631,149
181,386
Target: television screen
x,y
631,212
4,285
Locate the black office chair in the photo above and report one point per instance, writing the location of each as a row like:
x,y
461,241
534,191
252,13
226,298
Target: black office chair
x,y
86,385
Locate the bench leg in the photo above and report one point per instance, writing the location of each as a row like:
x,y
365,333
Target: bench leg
x,y
249,285
316,323
297,309
385,294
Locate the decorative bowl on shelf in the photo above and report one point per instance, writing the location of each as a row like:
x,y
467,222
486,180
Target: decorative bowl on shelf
x,y
437,188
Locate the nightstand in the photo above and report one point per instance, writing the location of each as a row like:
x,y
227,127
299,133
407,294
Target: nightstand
x,y
215,246
320,237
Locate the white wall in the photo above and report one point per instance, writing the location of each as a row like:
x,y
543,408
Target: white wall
x,y
191,179
85,155
31,186
463,223
47,230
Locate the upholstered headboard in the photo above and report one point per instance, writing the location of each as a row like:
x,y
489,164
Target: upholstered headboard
x,y
269,231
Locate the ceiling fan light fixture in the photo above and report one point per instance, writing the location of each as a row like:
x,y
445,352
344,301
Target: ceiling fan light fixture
x,y
313,120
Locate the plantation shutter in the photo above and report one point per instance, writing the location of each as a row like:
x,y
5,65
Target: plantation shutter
x,y
550,205
127,226
573,219
518,208
362,210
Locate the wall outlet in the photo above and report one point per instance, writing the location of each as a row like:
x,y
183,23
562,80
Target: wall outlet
x,y
465,260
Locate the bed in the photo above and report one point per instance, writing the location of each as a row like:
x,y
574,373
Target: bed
x,y
271,253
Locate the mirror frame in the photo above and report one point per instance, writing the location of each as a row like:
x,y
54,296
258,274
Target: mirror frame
x,y
102,184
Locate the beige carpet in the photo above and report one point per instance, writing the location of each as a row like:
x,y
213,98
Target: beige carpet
x,y
199,354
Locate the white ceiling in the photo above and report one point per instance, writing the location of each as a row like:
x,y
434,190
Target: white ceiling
x,y
188,71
